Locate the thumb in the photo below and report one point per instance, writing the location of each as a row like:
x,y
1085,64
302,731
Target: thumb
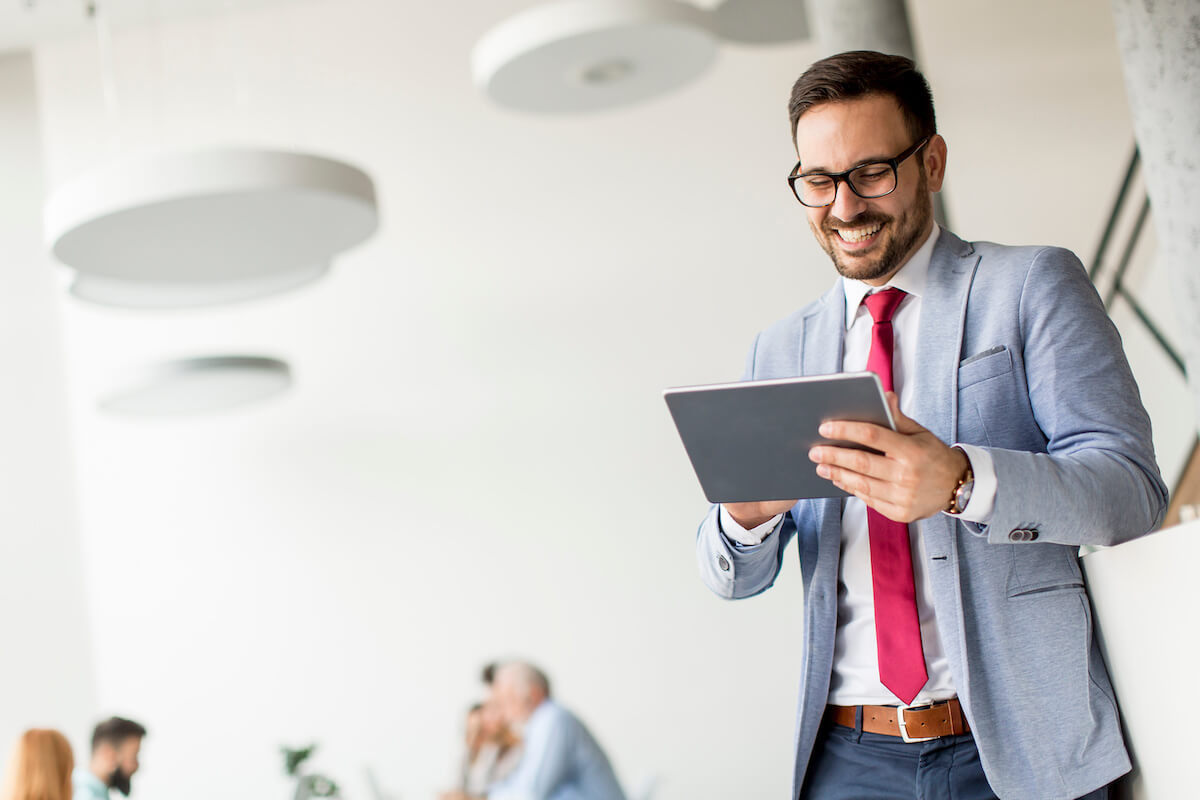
x,y
904,424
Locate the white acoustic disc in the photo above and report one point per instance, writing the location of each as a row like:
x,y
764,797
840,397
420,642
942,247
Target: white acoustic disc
x,y
122,293
210,217
584,55
198,386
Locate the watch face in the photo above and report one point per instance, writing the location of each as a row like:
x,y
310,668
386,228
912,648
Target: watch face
x,y
963,496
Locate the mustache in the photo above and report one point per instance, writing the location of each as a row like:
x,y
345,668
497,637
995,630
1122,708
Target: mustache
x,y
832,223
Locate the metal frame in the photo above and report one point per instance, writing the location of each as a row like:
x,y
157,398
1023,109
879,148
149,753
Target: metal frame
x,y
1118,289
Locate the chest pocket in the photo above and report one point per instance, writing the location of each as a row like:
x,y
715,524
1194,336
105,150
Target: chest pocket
x,y
984,366
984,385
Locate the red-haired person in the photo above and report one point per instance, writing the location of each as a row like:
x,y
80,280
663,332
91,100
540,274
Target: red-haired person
x,y
40,767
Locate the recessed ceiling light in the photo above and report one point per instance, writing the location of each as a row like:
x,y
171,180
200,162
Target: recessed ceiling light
x,y
222,220
583,55
198,386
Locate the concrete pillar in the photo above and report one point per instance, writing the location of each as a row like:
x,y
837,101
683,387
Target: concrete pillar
x,y
1158,43
880,25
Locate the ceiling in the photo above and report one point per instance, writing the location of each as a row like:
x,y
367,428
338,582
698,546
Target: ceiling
x,y
23,23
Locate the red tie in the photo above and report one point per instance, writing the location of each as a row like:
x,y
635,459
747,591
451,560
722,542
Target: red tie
x,y
897,627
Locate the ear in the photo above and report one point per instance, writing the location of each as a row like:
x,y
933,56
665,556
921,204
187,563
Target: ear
x,y
934,159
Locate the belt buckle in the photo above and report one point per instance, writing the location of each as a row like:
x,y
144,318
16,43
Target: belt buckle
x,y
904,728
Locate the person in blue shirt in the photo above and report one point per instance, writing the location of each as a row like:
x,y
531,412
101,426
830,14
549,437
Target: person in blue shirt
x,y
116,744
561,760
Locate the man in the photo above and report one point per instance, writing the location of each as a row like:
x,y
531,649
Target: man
x,y
950,578
116,743
560,759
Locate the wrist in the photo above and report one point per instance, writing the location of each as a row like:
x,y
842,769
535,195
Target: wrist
x,y
748,521
960,494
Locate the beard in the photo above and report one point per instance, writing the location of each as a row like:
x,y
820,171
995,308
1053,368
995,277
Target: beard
x,y
120,781
903,232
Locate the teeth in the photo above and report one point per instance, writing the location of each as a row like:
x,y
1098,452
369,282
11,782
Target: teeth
x,y
858,234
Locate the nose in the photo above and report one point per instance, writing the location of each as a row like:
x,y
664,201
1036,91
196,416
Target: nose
x,y
846,204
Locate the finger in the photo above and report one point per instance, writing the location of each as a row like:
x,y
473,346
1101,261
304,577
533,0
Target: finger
x,y
858,461
865,488
876,492
870,491
864,433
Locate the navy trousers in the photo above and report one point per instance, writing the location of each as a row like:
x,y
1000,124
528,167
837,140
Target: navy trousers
x,y
850,764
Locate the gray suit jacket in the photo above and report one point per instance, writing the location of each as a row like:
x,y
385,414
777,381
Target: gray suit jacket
x,y
1018,355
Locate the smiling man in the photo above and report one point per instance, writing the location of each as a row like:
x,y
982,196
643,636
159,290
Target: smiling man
x,y
948,646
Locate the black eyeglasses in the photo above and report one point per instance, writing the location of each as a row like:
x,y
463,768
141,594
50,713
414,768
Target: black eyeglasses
x,y
868,181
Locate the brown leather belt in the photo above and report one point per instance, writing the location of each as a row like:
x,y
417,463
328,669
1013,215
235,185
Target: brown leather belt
x,y
920,724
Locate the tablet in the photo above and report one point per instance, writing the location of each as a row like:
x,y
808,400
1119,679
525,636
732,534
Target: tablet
x,y
749,441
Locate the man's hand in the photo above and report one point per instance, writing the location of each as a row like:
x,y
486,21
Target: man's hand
x,y
751,515
913,479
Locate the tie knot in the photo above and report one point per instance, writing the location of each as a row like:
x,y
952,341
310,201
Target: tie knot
x,y
882,305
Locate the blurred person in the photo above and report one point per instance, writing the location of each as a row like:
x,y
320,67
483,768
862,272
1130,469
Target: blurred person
x,y
488,675
40,767
492,750
560,759
116,744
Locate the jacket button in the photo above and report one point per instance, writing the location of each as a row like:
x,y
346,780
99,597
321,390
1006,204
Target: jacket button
x,y
723,563
1016,535
1033,534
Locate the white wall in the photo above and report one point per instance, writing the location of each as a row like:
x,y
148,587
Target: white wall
x,y
46,670
476,460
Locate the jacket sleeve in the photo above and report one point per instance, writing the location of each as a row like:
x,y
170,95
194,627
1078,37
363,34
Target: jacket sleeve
x,y
1098,482
732,570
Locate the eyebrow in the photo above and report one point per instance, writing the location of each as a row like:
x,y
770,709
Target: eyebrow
x,y
826,171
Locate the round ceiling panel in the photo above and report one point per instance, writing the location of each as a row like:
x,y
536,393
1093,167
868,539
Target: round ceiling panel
x,y
233,216
584,55
198,386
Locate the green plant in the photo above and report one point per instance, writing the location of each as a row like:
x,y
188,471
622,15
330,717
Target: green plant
x,y
307,785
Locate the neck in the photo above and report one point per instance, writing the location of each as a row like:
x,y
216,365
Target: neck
x,y
99,772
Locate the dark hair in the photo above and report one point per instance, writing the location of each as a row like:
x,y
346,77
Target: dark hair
x,y
489,673
116,730
858,73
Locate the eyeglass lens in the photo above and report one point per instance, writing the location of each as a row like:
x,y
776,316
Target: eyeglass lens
x,y
869,180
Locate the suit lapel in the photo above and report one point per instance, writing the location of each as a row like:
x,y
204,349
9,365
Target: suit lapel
x,y
939,341
824,334
822,342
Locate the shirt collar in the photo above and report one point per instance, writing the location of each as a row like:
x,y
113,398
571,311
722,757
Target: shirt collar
x,y
84,778
911,278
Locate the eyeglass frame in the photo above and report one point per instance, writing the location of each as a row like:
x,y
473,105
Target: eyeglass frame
x,y
844,177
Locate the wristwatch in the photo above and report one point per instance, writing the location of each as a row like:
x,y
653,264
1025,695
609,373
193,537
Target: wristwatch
x,y
962,492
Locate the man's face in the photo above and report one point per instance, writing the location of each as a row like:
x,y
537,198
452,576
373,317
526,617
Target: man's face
x,y
869,240
124,763
506,701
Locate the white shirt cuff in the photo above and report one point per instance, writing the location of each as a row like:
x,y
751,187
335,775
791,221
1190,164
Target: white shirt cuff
x,y
748,538
983,493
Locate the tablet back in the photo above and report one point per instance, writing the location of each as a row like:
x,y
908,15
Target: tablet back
x,y
749,441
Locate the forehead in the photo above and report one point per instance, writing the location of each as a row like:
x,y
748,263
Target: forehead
x,y
838,135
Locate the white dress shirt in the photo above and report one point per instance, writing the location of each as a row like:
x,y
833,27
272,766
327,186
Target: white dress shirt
x,y
855,666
